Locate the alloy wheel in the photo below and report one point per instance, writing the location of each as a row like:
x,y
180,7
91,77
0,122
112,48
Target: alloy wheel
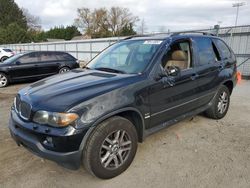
x,y
63,70
223,102
115,149
3,80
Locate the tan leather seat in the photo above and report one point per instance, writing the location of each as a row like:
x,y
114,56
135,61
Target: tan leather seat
x,y
178,59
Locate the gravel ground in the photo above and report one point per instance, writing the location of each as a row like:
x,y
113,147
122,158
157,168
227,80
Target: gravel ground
x,y
197,152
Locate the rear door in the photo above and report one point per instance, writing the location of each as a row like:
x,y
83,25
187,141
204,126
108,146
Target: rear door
x,y
209,65
25,66
49,63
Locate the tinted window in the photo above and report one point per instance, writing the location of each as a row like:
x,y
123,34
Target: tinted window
x,y
48,56
64,56
29,58
205,51
7,50
225,52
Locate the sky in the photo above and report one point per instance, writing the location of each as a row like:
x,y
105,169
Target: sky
x,y
159,15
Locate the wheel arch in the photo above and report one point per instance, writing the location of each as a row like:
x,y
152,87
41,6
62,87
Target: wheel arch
x,y
130,113
5,56
229,84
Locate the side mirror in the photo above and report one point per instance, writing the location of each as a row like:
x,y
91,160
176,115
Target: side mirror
x,y
173,70
18,62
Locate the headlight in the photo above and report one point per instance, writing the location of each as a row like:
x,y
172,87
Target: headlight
x,y
55,119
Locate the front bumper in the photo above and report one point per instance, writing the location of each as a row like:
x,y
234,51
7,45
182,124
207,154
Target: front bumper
x,y
32,142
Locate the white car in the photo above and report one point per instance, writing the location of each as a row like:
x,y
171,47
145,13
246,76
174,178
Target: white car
x,y
5,53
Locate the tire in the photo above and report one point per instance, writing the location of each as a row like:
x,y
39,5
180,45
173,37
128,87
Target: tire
x,y
102,155
4,58
64,69
4,80
220,104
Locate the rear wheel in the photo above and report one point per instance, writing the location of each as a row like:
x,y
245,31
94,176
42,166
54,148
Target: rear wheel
x,y
64,69
220,104
4,80
111,148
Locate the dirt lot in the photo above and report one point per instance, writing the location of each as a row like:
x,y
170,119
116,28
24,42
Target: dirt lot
x,y
197,152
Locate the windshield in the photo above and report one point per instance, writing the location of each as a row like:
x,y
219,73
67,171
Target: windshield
x,y
12,59
129,57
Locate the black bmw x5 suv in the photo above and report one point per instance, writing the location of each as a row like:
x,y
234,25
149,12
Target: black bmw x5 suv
x,y
96,116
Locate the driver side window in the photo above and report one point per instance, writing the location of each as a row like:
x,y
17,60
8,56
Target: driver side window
x,y
178,55
29,58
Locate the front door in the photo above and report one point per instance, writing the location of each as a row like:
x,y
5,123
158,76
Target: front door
x,y
25,66
169,101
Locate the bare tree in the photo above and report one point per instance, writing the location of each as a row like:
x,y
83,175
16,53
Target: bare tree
x,y
142,27
102,22
33,22
120,17
84,20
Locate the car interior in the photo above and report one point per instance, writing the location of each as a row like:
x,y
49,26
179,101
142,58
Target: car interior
x,y
178,55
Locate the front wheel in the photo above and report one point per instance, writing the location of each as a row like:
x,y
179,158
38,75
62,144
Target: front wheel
x,y
220,104
4,80
111,148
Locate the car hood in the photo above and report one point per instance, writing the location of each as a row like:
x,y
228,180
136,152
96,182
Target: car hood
x,y
3,64
64,91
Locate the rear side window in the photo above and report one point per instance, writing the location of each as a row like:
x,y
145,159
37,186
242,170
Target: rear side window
x,y
48,56
224,50
205,51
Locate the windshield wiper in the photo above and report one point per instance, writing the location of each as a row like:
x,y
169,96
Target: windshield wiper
x,y
110,70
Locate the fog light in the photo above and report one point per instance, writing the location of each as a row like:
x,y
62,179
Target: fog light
x,y
48,141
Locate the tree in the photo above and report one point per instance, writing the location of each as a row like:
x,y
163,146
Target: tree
x,y
11,13
33,22
84,20
142,27
63,33
119,18
70,32
13,33
105,23
127,30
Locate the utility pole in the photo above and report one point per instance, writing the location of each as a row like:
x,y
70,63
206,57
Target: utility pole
x,y
237,5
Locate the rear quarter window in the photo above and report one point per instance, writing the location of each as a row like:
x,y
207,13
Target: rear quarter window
x,y
224,50
64,57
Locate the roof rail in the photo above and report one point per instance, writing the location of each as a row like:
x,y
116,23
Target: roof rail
x,y
170,34
146,35
195,32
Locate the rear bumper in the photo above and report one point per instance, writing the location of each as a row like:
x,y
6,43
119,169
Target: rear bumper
x,y
71,160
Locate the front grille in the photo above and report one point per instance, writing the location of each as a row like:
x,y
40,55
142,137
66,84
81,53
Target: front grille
x,y
22,108
17,103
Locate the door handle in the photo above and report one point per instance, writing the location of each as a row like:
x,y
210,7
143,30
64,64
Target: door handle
x,y
194,76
